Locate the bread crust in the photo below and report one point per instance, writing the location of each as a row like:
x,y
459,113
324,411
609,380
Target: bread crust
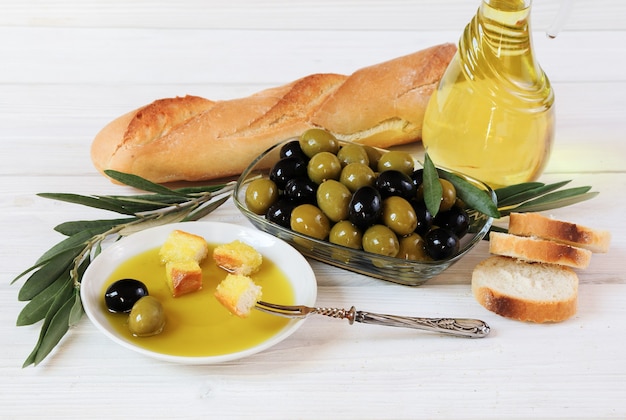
x,y
193,139
518,309
538,250
491,291
535,224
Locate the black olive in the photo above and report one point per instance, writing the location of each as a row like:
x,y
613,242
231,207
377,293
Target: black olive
x,y
280,212
365,207
455,219
424,218
441,243
395,183
286,169
293,149
301,190
417,177
122,294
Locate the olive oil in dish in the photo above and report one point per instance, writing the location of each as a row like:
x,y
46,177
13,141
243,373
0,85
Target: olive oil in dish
x,y
197,325
492,116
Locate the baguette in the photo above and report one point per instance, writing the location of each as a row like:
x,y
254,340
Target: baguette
x,y
532,292
191,138
538,250
536,225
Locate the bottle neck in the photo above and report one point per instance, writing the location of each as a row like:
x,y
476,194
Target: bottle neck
x,y
497,46
504,26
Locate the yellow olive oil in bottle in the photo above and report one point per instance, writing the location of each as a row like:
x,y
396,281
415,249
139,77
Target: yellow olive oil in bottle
x,y
492,116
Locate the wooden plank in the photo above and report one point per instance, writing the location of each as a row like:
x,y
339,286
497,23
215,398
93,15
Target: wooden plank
x,y
371,15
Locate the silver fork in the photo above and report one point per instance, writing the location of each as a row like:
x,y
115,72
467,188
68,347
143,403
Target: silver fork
x,y
460,327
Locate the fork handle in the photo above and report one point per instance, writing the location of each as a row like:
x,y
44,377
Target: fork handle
x,y
462,327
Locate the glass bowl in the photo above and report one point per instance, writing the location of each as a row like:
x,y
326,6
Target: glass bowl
x,y
397,270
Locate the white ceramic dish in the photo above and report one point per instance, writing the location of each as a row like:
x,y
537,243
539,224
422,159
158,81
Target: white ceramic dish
x,y
291,262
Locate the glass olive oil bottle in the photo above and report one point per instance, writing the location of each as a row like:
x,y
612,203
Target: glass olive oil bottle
x,y
492,116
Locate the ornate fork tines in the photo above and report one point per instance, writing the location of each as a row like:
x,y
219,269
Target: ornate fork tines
x,y
461,327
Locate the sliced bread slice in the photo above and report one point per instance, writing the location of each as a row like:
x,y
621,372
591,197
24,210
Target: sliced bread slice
x,y
535,224
538,250
532,292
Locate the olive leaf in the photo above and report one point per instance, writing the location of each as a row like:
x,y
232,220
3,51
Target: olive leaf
x,y
48,273
54,326
536,197
140,183
76,241
52,286
471,195
432,187
95,226
505,193
532,190
36,309
95,202
206,209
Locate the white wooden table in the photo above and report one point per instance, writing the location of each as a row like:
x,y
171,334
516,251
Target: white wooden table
x,y
68,68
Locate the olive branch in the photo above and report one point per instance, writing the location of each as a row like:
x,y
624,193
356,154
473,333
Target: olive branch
x,y
52,288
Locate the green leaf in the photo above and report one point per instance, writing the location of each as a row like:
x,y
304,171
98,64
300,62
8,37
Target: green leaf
x,y
471,195
95,226
42,278
140,183
54,327
505,192
82,268
29,270
76,313
530,193
36,309
206,209
95,202
162,219
432,187
554,200
190,191
159,202
56,330
74,242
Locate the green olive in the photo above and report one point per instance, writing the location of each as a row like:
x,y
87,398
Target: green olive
x,y
353,153
260,195
448,197
412,247
357,175
333,198
323,166
310,220
399,215
346,234
373,155
316,140
396,160
147,317
379,239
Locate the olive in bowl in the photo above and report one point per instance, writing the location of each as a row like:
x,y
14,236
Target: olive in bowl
x,y
375,190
